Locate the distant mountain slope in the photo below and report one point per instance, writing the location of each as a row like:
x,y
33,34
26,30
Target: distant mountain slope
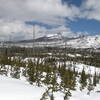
x,y
48,38
85,42
59,40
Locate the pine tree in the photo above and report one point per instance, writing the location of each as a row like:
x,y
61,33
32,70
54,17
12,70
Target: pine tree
x,y
31,71
95,79
83,79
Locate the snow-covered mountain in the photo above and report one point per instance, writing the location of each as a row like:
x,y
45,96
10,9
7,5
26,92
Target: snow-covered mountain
x,y
76,42
85,42
60,41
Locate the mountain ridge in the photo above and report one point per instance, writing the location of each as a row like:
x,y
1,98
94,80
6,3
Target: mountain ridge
x,y
59,40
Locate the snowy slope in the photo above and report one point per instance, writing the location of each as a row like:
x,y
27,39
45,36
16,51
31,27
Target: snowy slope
x,y
80,42
85,42
13,89
58,40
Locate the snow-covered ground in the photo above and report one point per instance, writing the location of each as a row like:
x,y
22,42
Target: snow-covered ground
x,y
85,42
88,69
20,89
81,95
14,89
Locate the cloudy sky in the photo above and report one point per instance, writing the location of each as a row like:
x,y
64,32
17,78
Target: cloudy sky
x,y
71,17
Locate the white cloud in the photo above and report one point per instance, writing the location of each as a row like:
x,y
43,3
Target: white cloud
x,y
85,33
13,14
65,31
17,30
46,11
91,9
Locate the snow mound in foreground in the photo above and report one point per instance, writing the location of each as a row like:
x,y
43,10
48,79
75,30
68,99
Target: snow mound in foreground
x,y
13,89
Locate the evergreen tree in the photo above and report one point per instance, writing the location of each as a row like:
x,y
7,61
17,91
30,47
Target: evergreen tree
x,y
83,79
